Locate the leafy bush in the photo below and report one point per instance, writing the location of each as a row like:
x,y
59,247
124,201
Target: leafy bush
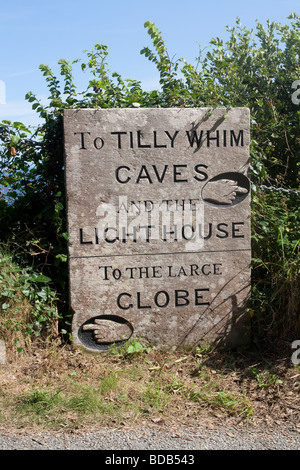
x,y
27,304
276,262
253,70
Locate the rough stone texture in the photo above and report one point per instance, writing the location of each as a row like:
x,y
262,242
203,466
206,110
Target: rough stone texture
x,y
2,352
159,225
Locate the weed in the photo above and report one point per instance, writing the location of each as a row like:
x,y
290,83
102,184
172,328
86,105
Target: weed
x,y
265,379
211,395
129,349
155,397
41,401
88,401
109,383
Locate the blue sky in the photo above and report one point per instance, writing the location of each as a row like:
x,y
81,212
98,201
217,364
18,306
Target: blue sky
x,y
39,31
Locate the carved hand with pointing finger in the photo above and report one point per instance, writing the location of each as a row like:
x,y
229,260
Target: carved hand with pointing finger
x,y
223,191
107,331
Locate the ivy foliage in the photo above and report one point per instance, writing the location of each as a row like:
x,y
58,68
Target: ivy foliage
x,y
256,69
27,303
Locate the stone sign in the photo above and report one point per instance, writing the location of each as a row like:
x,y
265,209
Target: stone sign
x,y
158,204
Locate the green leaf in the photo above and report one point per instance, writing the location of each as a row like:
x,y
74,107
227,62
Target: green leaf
x,y
59,206
42,278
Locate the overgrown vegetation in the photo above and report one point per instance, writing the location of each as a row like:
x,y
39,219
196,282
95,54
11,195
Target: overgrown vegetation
x,y
61,389
253,69
27,304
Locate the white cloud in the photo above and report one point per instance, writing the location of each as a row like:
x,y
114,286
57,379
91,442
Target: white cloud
x,y
20,74
150,84
19,111
15,108
2,92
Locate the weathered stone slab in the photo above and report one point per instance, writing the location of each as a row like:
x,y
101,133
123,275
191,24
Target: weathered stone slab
x,y
159,225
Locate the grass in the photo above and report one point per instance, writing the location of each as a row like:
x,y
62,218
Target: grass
x,y
56,387
214,396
